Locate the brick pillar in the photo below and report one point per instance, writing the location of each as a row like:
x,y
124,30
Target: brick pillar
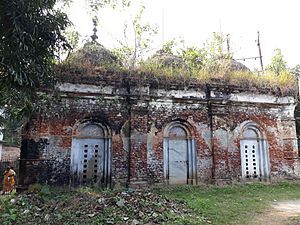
x,y
138,157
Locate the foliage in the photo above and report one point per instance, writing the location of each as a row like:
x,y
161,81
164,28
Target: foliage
x,y
12,132
206,57
194,57
53,205
278,64
215,46
35,188
31,39
296,70
283,84
232,204
72,37
168,47
93,55
96,5
132,52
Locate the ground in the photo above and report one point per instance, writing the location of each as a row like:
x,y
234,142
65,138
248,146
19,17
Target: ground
x,y
281,213
247,204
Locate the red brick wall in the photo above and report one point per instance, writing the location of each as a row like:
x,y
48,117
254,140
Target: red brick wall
x,y
47,142
10,153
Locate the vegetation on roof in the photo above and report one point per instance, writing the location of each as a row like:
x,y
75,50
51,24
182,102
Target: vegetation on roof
x,y
28,59
177,64
93,54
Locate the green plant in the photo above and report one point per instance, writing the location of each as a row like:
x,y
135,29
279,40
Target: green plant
x,y
31,38
278,64
9,217
35,188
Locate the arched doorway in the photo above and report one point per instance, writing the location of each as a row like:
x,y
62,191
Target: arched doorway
x,y
91,155
179,155
254,153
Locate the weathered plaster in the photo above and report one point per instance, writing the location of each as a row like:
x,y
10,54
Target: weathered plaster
x,y
215,119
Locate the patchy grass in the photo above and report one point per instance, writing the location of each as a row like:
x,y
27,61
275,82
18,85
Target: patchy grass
x,y
234,204
281,85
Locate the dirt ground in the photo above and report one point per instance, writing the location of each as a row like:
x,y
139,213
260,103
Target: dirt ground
x,y
281,213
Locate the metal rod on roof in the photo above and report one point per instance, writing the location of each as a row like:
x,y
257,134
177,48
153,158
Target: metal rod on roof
x,y
255,57
259,49
228,44
163,26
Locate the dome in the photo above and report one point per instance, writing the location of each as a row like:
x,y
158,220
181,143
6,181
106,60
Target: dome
x,y
231,65
161,59
93,54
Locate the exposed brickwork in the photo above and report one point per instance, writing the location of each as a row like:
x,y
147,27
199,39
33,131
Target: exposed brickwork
x,y
137,118
10,153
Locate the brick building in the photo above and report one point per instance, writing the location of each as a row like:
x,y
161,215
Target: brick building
x,y
125,129
10,152
1,142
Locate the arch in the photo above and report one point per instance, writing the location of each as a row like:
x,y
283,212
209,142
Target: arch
x,y
185,126
91,130
80,129
91,154
179,154
255,161
177,132
252,128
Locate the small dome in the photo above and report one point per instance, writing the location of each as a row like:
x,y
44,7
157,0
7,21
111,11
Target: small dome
x,y
231,65
161,59
93,54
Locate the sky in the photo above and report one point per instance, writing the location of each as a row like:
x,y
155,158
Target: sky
x,y
196,20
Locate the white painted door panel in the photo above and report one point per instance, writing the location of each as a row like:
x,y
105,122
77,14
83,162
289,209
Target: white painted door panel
x,y
178,161
90,160
250,158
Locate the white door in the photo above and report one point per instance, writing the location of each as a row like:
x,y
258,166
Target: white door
x,y
178,167
250,159
90,161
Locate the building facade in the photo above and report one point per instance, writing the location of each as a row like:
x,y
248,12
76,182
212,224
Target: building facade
x,y
112,131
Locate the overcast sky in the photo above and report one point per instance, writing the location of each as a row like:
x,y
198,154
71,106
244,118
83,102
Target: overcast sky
x,y
196,20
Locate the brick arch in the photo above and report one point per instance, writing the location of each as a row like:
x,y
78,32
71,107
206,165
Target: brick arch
x,y
80,124
256,127
91,153
188,127
255,162
179,153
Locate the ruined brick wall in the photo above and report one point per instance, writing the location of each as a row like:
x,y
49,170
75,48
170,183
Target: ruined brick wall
x,y
10,153
138,116
46,144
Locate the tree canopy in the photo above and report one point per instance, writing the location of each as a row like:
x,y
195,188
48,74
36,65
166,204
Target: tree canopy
x,y
31,33
278,64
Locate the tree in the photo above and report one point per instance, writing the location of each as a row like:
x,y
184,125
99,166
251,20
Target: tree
x,y
194,57
296,70
73,37
132,51
278,64
31,33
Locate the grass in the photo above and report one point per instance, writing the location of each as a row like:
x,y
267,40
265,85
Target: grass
x,y
234,204
282,84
